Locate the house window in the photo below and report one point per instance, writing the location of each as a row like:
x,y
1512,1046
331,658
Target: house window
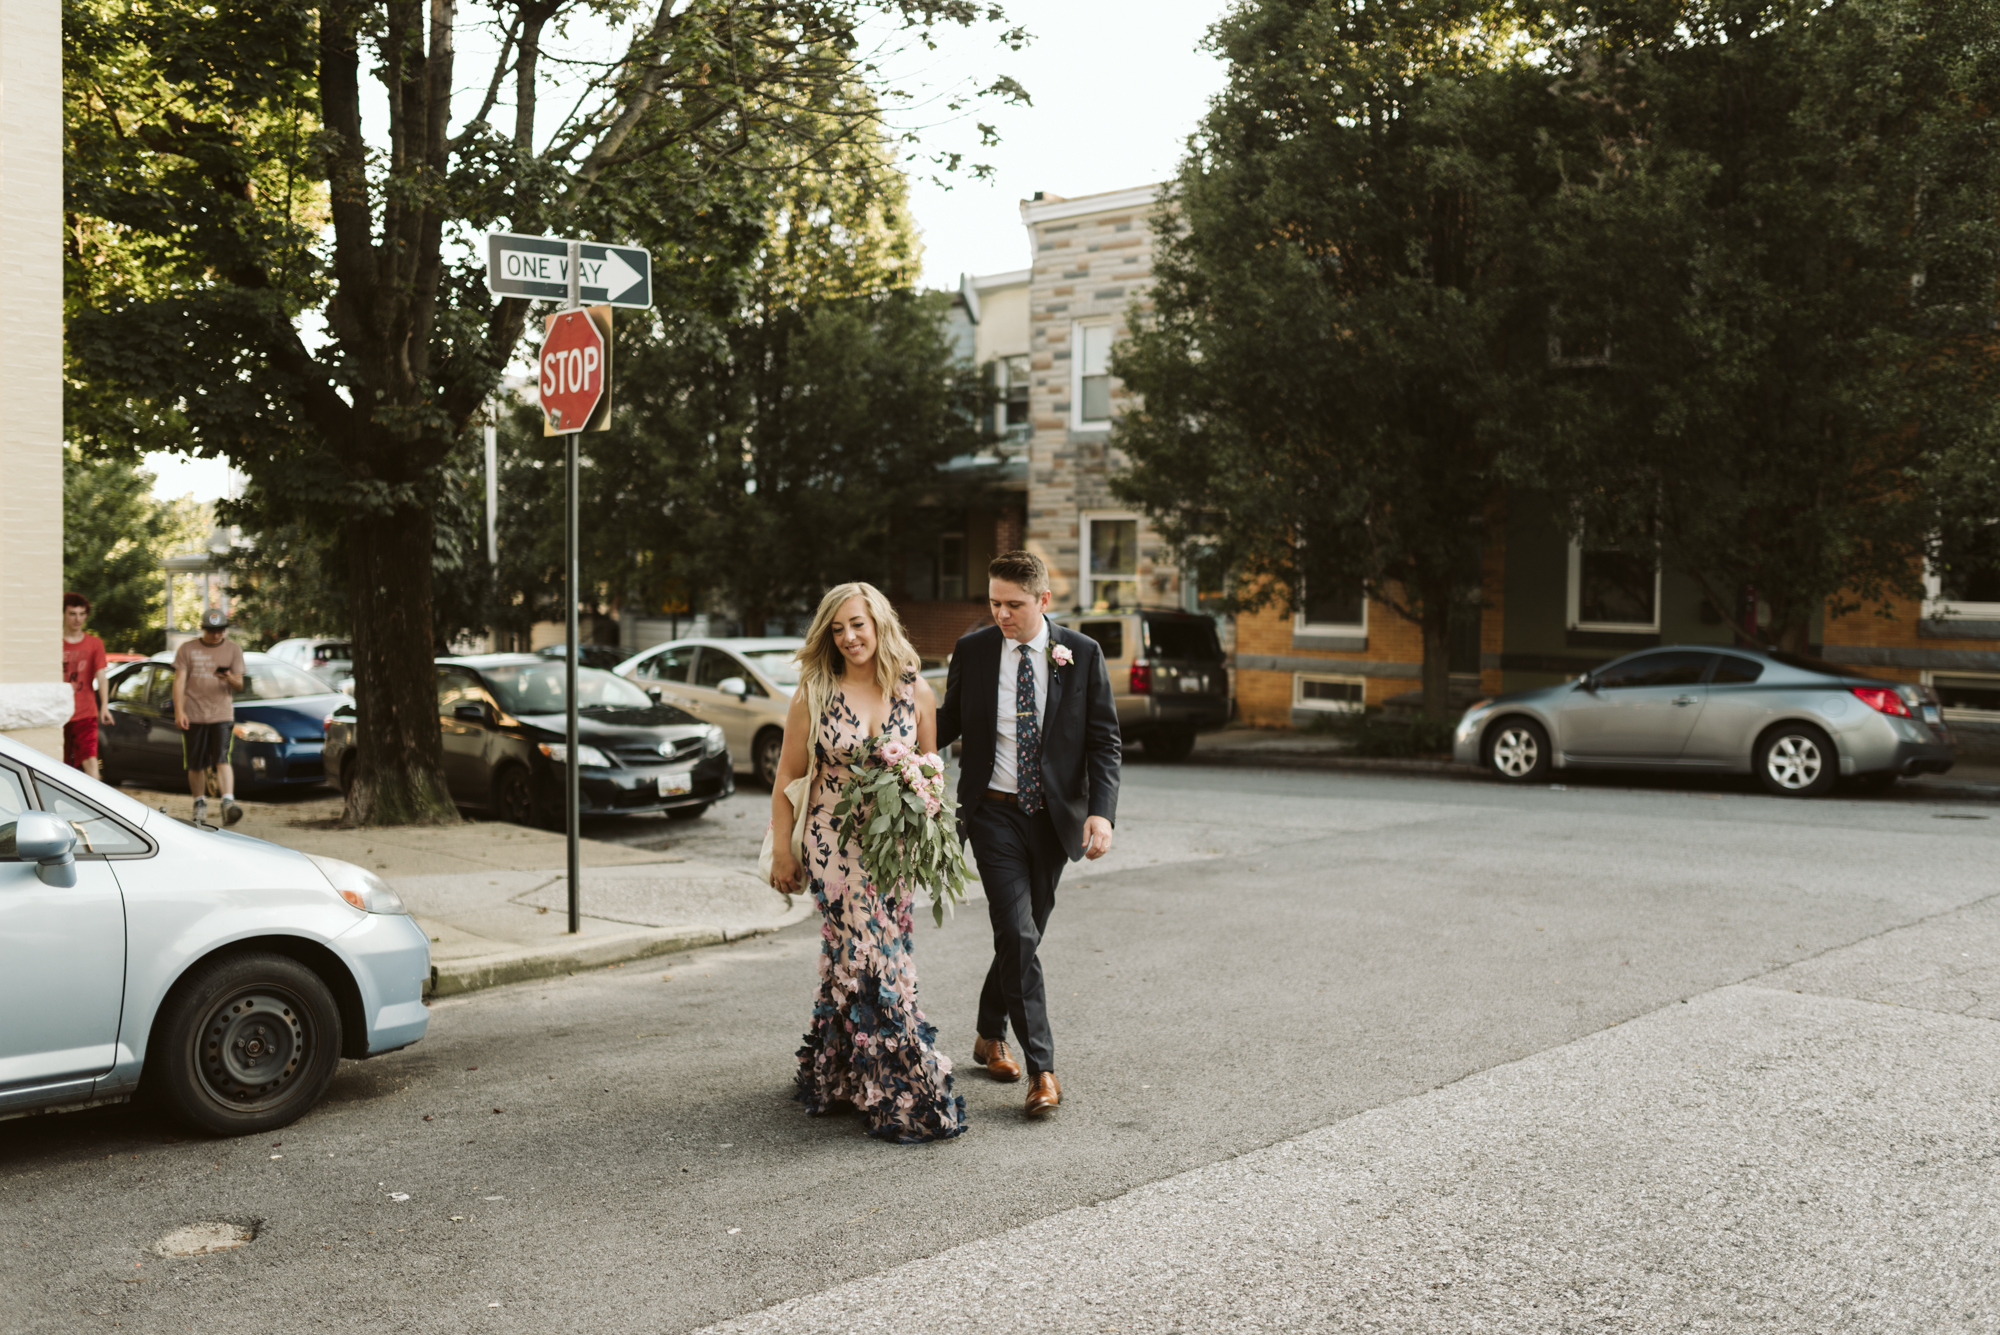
x,y
1612,590
1964,582
1335,609
1340,695
1013,410
1091,356
1111,566
1967,697
951,567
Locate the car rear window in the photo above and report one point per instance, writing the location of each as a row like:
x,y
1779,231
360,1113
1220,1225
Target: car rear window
x,y
1805,664
1193,637
1110,636
268,679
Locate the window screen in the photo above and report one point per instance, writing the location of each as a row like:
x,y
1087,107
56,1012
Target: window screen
x,y
1094,371
1337,605
1114,564
1330,693
1616,589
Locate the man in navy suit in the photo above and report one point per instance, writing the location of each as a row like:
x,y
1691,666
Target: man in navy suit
x,y
1037,787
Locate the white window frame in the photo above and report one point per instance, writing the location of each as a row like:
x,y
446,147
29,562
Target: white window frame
x,y
1301,626
1077,421
1935,607
1964,715
1573,617
1085,582
1299,700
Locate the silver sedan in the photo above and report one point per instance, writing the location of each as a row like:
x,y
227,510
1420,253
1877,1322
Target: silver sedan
x,y
1799,724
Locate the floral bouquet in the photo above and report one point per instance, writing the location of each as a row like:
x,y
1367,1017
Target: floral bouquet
x,y
896,808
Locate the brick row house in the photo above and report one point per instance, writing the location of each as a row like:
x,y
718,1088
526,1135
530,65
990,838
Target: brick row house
x,y
1549,608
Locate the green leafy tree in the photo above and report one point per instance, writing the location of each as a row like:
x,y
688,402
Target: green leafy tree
x,y
1333,308
221,148
114,538
775,434
1771,262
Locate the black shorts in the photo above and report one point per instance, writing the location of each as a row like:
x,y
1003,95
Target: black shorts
x,y
206,745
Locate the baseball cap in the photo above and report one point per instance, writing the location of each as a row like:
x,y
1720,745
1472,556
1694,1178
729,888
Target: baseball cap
x,y
214,619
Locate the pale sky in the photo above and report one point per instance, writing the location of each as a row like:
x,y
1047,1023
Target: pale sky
x,y
1117,88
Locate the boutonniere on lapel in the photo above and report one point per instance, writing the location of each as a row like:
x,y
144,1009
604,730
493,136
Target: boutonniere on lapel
x,y
1060,655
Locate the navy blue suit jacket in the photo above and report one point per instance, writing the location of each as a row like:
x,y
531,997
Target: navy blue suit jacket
x,y
1081,749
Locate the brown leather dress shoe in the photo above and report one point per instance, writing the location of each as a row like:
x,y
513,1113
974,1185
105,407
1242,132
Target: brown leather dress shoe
x,y
1043,1094
992,1054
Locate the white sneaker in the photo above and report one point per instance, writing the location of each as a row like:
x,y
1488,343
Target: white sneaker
x,y
201,811
231,813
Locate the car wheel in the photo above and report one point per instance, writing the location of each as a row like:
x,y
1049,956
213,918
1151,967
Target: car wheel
x,y
1170,744
514,797
765,752
247,1043
688,813
1796,760
1517,749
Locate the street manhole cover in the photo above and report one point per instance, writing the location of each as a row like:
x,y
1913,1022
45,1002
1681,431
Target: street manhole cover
x,y
203,1240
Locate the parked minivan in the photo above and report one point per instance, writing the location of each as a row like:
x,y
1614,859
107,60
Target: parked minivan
x,y
1168,674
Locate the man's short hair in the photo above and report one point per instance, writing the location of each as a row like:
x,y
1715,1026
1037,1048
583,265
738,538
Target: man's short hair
x,y
75,600
1022,568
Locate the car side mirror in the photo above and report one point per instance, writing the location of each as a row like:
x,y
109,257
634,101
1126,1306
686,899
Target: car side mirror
x,y
735,686
48,841
470,712
654,695
1589,683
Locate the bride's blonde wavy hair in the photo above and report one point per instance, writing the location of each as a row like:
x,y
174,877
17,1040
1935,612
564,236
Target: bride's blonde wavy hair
x,y
822,664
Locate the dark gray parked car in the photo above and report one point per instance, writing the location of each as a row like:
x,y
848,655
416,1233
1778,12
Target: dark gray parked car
x,y
1799,724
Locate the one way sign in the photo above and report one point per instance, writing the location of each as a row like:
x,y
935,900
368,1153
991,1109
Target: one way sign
x,y
538,266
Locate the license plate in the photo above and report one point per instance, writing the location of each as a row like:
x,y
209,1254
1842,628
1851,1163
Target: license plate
x,y
677,784
1931,714
1190,685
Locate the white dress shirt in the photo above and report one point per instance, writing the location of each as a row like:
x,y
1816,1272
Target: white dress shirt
x,y
1006,778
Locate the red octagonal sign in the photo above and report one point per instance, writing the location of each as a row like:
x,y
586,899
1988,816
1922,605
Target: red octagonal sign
x,y
573,364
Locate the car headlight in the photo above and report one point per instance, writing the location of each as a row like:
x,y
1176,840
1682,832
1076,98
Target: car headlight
x,y
585,755
713,742
359,886
257,732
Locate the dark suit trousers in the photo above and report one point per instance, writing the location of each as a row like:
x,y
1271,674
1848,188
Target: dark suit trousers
x,y
1020,860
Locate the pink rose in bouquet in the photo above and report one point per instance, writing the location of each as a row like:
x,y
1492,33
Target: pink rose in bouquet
x,y
896,807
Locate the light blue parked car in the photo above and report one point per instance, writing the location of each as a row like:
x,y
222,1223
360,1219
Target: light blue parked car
x,y
226,975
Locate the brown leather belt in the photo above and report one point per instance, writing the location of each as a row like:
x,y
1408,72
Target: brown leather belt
x,y
995,795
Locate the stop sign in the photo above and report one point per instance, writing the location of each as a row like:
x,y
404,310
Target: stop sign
x,y
573,365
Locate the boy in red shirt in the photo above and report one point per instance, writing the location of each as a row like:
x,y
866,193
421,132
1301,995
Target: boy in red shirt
x,y
83,669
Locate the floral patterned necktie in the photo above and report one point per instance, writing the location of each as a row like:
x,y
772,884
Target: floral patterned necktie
x,y
1027,736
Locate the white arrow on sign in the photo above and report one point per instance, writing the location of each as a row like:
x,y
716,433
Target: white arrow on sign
x,y
615,276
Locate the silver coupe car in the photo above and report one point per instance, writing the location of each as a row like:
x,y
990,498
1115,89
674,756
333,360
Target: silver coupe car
x,y
1800,725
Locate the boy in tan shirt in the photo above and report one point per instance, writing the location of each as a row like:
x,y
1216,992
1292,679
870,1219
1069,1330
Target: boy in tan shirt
x,y
207,674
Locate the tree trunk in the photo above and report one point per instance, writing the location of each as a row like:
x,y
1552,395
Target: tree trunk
x,y
399,776
1437,650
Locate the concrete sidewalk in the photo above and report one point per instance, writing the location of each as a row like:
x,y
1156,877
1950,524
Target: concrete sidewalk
x,y
494,897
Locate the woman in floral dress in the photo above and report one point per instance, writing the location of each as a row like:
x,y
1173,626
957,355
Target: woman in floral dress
x,y
869,1049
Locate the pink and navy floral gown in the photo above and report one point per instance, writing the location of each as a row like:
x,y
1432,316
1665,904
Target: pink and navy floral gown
x,y
869,1045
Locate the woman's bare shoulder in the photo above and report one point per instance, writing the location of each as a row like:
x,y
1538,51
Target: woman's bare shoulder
x,y
923,693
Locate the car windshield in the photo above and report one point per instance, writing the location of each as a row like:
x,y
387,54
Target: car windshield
x,y
779,666
268,679
537,688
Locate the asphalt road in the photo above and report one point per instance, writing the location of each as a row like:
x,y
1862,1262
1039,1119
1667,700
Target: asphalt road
x,y
1265,956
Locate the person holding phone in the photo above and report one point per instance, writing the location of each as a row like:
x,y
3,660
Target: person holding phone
x,y
207,674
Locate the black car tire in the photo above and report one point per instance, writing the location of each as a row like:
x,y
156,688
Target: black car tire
x,y
1796,760
765,753
245,1044
1170,743
514,799
688,813
1517,750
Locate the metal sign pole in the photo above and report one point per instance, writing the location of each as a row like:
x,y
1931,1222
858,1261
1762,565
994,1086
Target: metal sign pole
x,y
572,590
